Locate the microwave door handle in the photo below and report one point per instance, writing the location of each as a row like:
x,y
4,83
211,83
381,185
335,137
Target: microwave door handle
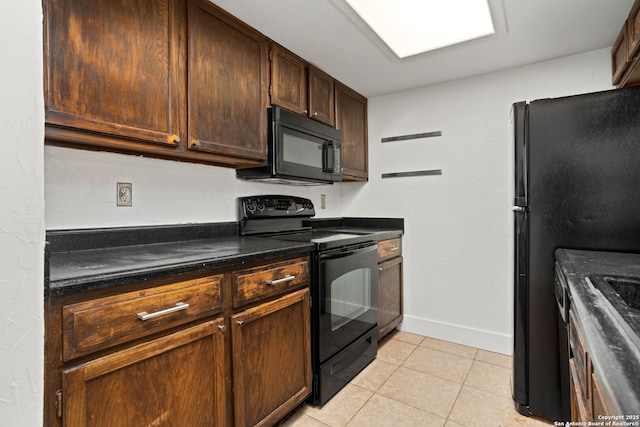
x,y
327,157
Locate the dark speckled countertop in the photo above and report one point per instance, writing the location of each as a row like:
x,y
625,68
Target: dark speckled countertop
x,y
82,260
615,356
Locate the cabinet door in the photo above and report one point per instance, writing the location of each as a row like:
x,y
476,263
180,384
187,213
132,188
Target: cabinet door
x,y
321,96
228,84
113,74
580,410
176,380
620,56
633,24
600,409
288,80
351,119
271,359
390,296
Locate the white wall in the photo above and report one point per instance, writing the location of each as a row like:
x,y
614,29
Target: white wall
x,y
81,191
21,214
458,241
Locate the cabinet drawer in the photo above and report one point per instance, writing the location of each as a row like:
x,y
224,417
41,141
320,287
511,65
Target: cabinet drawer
x,y
269,280
104,322
390,248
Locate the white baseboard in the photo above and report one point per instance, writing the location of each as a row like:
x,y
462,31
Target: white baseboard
x,y
491,341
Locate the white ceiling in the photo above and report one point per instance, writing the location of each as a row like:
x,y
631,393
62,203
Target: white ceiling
x,y
325,33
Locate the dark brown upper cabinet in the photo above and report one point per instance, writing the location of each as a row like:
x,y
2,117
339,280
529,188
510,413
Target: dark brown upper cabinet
x,y
625,53
351,119
177,79
228,84
288,80
321,96
300,87
328,101
112,73
181,80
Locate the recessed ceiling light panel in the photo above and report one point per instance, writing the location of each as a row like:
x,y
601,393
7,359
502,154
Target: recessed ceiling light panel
x,y
410,27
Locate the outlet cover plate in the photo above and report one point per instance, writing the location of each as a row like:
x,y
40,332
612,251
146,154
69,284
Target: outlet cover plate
x,y
125,194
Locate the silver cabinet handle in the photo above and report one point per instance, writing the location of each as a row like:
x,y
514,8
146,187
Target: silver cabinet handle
x,y
178,307
278,281
519,209
394,249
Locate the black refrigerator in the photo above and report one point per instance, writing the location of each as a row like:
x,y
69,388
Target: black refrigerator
x,y
577,185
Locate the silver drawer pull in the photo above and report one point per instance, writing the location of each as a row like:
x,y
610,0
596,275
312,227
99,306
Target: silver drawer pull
x,y
278,281
178,307
394,249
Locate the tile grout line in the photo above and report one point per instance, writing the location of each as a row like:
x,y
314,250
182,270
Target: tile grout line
x,y
457,396
361,407
409,369
446,419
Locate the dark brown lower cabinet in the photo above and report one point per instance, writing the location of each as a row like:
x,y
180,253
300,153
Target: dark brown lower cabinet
x,y
181,351
389,285
175,380
389,296
270,378
587,402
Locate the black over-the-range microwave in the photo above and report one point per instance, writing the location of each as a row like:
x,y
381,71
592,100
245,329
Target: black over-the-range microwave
x,y
301,151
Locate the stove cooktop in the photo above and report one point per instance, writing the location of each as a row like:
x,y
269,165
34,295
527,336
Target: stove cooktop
x,y
324,239
282,217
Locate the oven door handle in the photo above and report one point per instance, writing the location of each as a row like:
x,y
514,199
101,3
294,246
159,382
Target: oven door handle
x,y
348,252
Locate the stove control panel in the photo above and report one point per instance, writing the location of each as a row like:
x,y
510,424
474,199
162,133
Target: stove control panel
x,y
274,207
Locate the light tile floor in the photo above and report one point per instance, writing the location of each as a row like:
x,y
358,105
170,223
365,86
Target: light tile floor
x,y
421,381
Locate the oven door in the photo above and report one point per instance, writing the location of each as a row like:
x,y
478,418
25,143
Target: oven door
x,y
348,283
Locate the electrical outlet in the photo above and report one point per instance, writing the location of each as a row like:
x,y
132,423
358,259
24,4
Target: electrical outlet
x,y
125,194
323,201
